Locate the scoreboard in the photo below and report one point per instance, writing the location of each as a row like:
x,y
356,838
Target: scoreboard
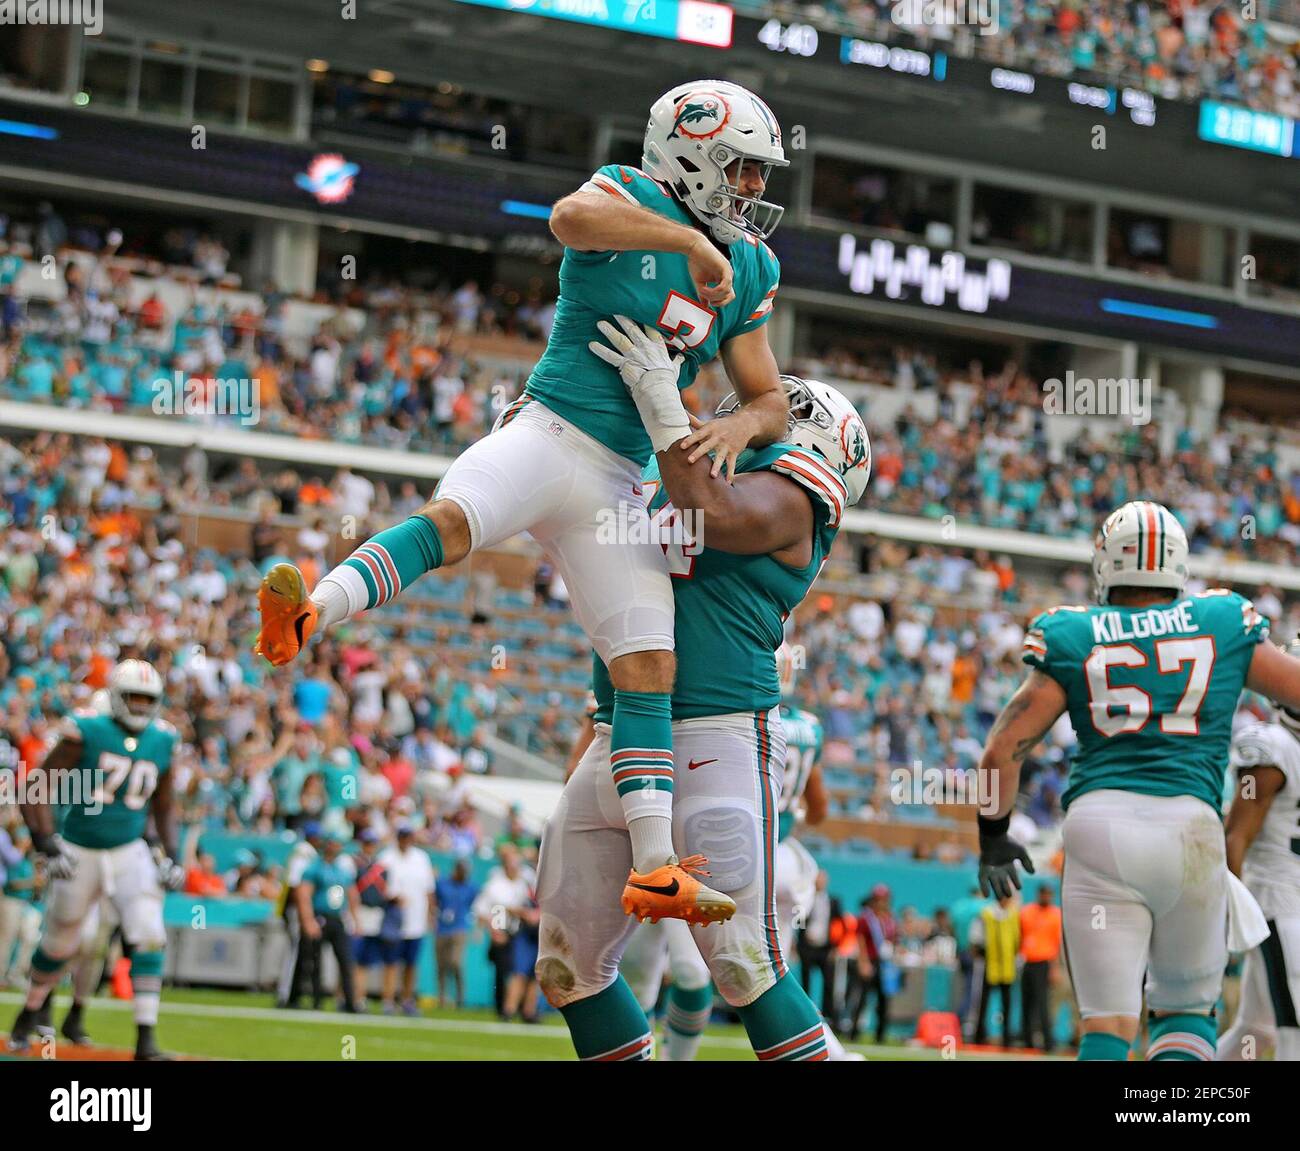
x,y
690,21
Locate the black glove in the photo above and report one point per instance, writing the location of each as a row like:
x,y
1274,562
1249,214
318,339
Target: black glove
x,y
998,856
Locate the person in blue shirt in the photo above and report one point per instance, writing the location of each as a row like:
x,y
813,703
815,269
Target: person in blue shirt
x,y
311,696
454,896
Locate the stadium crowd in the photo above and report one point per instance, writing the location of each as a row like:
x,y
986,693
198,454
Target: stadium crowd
x,y
403,378
910,651
1183,49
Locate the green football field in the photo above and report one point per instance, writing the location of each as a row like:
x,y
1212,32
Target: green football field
x,y
239,1025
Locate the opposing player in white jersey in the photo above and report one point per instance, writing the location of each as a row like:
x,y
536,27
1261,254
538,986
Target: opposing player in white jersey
x,y
678,245
1263,832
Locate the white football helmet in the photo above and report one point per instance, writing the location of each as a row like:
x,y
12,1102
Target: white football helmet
x,y
695,132
823,420
135,691
1141,544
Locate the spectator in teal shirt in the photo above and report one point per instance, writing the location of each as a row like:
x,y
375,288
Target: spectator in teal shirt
x,y
289,775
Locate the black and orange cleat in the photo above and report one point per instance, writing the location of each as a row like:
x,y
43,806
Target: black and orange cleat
x,y
288,615
673,892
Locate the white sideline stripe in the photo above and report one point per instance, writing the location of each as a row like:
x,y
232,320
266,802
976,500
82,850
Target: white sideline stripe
x,y
462,1026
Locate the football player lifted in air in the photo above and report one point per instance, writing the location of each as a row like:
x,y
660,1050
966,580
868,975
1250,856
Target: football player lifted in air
x,y
677,243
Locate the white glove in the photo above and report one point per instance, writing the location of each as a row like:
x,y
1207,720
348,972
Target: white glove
x,y
170,873
59,863
650,373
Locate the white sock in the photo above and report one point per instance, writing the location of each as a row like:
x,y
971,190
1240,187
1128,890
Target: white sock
x,y
341,594
85,979
835,1052
652,838
680,1048
146,1008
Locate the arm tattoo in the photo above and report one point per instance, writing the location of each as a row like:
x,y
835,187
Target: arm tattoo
x,y
1016,706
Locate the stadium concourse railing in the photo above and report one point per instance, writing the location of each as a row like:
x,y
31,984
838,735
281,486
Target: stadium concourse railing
x,y
232,440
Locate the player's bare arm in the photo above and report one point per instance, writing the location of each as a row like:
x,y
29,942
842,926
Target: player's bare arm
x,y
1256,787
306,916
163,809
1028,716
760,514
39,817
763,414
596,222
1275,674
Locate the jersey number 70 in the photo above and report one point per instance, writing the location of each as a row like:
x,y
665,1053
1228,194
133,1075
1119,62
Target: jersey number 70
x,y
1172,655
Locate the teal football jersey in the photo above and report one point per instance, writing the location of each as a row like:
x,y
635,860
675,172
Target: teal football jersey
x,y
1151,691
730,609
803,748
125,767
651,288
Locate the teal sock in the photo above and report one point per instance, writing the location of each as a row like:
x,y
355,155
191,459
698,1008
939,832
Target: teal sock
x,y
641,758
609,1026
1185,1038
688,1014
379,569
782,1023
1097,1045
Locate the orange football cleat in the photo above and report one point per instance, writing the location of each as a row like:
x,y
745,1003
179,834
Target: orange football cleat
x,y
673,892
288,616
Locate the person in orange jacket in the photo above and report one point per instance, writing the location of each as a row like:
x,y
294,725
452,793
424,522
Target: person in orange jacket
x,y
1040,946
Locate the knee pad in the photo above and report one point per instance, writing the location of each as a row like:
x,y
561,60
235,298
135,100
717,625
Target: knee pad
x,y
689,971
727,835
142,925
1196,996
563,975
62,939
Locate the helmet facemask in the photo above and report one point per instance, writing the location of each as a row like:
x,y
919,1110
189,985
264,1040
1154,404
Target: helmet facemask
x,y
753,215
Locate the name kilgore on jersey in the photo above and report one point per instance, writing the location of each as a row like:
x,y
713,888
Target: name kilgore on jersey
x,y
1271,868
